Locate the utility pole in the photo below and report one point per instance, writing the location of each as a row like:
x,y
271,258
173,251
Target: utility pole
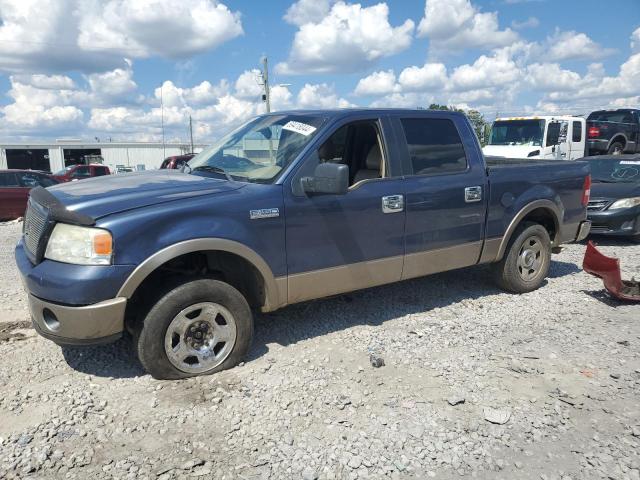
x,y
191,132
266,97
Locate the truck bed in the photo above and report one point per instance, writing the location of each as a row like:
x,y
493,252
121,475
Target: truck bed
x,y
514,182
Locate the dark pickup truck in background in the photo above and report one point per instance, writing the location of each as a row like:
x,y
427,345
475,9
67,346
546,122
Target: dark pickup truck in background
x,y
613,131
334,201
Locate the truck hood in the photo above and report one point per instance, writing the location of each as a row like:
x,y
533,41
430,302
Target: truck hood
x,y
511,151
100,196
614,190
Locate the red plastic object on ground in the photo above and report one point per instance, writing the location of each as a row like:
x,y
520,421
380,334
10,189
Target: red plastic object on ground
x,y
608,269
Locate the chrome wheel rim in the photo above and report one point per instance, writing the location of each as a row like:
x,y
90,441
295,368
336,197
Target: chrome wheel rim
x,y
200,337
530,258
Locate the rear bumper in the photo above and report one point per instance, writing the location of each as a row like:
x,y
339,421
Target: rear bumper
x,y
87,325
616,223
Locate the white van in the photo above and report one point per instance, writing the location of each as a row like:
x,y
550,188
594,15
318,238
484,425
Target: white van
x,y
547,137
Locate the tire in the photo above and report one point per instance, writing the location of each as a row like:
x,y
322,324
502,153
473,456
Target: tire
x,y
197,327
616,148
526,261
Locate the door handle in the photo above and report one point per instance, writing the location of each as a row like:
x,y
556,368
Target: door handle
x,y
473,194
392,203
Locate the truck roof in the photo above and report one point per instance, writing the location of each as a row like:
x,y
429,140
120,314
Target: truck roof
x,y
345,112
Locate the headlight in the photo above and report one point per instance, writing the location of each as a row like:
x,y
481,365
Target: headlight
x,y
79,245
625,203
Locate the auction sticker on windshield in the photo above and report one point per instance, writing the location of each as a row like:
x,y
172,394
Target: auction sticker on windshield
x,y
630,162
299,127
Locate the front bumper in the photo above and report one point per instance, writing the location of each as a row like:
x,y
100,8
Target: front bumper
x,y
74,304
625,222
87,325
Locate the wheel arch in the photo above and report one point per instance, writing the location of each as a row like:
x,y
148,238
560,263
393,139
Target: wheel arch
x,y
543,212
621,137
274,289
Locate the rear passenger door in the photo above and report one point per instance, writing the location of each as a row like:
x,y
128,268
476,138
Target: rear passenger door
x,y
445,190
577,140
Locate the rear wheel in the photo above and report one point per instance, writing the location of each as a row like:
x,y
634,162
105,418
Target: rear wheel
x,y
526,261
616,148
195,328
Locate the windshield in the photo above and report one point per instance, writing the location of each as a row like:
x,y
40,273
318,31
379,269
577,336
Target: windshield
x,y
610,171
259,150
517,132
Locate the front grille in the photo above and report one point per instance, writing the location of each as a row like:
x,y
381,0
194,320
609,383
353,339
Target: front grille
x,y
35,227
597,204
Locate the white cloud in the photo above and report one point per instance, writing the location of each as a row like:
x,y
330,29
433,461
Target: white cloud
x,y
487,71
574,45
550,76
46,82
635,40
320,96
531,22
378,83
429,76
457,24
170,28
113,86
47,36
307,11
349,38
247,84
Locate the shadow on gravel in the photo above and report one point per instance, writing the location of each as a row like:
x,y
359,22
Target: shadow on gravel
x,y
604,297
561,269
377,305
114,360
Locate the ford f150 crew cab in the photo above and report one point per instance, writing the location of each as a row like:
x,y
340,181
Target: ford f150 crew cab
x,y
289,207
614,131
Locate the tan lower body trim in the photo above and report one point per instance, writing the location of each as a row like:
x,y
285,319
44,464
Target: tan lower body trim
x,y
491,250
441,260
346,278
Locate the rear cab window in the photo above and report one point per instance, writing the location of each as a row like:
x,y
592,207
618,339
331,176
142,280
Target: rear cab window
x,y
100,171
435,146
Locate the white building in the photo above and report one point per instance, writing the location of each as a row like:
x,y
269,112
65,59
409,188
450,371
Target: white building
x,y
59,154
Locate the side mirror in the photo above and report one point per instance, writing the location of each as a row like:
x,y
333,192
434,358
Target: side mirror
x,y
330,178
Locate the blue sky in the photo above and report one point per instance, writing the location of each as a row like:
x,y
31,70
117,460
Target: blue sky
x,y
94,68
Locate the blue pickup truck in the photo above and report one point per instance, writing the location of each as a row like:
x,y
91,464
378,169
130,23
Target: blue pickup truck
x,y
289,207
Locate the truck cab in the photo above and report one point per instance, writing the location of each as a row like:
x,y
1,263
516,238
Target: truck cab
x,y
544,137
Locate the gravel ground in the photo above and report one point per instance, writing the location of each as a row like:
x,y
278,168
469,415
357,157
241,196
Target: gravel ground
x,y
475,383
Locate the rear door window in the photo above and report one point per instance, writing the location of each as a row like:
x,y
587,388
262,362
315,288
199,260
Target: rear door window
x,y
8,180
435,146
100,171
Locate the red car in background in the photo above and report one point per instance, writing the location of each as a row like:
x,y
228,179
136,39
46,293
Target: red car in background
x,y
79,172
14,190
176,161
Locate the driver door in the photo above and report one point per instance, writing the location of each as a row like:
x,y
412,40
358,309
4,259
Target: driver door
x,y
343,242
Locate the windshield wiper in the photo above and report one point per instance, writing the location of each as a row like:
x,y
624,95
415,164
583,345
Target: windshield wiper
x,y
214,169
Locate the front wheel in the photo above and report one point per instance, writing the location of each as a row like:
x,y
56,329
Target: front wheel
x,y
196,328
526,261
